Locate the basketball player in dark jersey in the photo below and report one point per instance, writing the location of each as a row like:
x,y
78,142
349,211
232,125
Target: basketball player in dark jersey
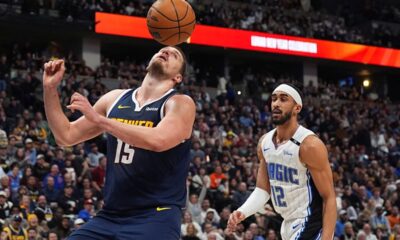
x,y
148,148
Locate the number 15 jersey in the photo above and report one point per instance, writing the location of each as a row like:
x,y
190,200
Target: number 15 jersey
x,y
137,178
293,192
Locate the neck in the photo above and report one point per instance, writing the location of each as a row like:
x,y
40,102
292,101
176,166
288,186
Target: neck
x,y
153,88
286,131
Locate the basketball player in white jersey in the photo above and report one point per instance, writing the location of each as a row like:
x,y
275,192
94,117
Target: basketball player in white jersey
x,y
295,172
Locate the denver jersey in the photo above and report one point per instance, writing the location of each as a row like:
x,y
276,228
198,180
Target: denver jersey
x,y
137,178
293,192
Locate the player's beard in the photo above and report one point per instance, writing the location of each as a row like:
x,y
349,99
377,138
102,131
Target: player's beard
x,y
282,120
156,69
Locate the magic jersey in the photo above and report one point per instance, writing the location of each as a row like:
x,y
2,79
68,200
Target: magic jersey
x,y
293,191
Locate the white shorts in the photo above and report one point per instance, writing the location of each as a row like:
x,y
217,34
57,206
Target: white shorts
x,y
300,229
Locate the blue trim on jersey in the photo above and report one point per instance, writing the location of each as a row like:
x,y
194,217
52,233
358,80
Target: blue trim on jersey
x,y
308,207
319,235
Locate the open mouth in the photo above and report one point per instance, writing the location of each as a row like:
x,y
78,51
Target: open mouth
x,y
163,57
276,112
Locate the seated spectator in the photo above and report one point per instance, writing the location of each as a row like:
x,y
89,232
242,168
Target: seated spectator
x,y
15,229
68,202
94,156
63,229
50,192
187,220
191,233
58,179
393,218
5,206
41,168
88,210
99,173
349,233
43,210
366,233
378,220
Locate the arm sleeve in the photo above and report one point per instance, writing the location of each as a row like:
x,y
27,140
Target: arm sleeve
x,y
255,202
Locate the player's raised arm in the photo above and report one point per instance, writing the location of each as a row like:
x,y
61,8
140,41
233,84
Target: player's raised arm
x,y
315,155
258,197
65,132
175,127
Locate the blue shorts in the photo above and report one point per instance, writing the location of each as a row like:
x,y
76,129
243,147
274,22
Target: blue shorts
x,y
156,223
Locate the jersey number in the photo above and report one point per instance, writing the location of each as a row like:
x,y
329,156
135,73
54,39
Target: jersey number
x,y
124,153
279,196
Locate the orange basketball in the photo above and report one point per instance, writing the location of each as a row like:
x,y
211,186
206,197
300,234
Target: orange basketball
x,y
171,22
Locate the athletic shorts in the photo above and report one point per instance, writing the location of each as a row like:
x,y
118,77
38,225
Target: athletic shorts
x,y
301,229
157,223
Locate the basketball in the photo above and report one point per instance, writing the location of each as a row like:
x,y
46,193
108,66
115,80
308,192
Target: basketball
x,y
171,22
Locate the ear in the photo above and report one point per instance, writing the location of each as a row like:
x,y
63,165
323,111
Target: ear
x,y
177,79
298,108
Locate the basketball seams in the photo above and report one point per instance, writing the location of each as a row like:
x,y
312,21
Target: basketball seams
x,y
162,14
187,24
168,38
170,23
184,16
179,22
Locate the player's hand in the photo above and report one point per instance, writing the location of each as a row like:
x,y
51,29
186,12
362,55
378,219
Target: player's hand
x,y
82,104
234,219
53,73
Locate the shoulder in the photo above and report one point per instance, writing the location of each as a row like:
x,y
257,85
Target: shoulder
x,y
260,141
181,98
313,151
311,142
103,104
181,101
113,94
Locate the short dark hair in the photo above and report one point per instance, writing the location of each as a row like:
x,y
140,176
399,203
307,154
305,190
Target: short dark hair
x,y
182,71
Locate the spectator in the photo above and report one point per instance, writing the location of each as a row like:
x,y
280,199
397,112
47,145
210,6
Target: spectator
x,y
58,179
43,210
367,233
393,218
271,235
68,202
78,223
62,230
378,220
88,210
94,156
41,168
348,232
49,190
33,223
15,230
33,234
205,208
216,177
191,233
187,220
194,203
240,196
99,173
5,206
255,232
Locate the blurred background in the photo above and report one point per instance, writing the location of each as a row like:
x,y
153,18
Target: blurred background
x,y
353,106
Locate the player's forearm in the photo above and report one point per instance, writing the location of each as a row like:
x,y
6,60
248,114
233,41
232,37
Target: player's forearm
x,y
329,218
58,122
138,136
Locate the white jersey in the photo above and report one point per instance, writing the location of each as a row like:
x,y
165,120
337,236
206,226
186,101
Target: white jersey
x,y
293,192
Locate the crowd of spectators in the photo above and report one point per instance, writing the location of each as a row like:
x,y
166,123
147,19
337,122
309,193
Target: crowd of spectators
x,y
48,191
290,17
